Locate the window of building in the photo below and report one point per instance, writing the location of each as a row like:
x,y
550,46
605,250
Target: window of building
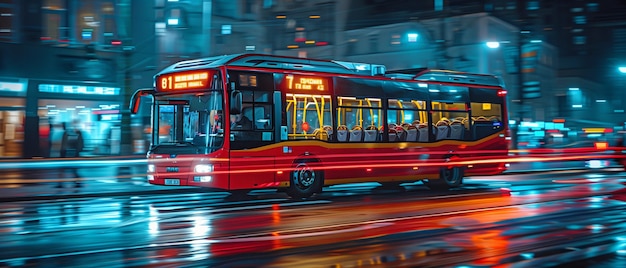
x,y
55,25
592,7
580,20
248,7
109,26
532,5
227,29
93,22
395,39
7,25
580,40
352,47
511,5
373,41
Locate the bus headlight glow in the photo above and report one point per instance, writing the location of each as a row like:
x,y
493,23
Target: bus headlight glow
x,y
203,168
150,177
151,168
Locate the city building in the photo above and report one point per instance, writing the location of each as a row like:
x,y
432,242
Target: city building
x,y
68,60
62,63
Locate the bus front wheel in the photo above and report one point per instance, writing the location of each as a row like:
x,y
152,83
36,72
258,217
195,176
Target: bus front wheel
x,y
304,182
448,178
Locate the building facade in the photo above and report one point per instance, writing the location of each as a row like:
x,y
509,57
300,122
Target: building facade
x,y
69,63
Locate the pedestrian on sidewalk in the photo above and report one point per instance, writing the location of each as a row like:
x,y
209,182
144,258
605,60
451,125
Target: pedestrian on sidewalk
x,y
71,146
56,137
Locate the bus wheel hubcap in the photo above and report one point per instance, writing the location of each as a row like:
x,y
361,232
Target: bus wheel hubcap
x,y
451,175
304,176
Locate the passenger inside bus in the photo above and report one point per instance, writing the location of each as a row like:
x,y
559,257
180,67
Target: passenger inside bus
x,y
240,122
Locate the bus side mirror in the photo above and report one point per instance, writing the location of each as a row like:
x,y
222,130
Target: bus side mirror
x,y
235,102
135,100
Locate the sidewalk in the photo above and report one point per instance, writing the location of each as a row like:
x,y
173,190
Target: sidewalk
x,y
124,178
37,180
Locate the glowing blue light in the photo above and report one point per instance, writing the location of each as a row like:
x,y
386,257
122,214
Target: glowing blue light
x,y
172,21
493,44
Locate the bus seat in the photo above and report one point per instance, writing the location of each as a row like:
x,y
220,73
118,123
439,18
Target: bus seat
x,y
356,134
393,135
457,130
400,134
443,130
328,130
370,134
411,134
423,132
342,133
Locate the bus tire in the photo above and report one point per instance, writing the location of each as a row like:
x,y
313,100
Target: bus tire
x,y
451,177
304,182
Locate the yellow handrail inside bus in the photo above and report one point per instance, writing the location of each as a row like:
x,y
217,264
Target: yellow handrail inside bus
x,y
401,112
295,113
421,113
360,113
369,103
317,109
339,111
304,108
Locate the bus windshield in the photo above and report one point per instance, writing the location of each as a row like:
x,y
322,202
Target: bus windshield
x,y
190,122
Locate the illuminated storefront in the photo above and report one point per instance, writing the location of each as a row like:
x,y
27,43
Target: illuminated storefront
x,y
96,114
12,103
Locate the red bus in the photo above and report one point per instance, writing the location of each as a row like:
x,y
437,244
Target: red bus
x,y
310,123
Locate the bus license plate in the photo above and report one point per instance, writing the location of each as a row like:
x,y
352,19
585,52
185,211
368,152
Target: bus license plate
x,y
172,182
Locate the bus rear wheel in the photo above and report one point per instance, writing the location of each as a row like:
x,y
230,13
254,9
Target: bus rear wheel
x,y
448,178
304,182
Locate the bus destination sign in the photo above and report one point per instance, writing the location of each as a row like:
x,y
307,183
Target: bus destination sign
x,y
183,81
300,82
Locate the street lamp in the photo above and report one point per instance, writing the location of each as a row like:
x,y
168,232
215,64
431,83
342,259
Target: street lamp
x,y
520,81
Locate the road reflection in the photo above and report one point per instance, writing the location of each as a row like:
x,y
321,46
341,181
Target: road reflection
x,y
481,225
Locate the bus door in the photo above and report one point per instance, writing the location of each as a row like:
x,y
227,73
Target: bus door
x,y
252,158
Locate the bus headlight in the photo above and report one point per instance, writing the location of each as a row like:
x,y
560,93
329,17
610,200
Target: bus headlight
x,y
203,168
151,168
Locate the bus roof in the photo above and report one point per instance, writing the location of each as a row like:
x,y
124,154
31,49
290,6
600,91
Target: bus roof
x,y
425,74
279,62
332,66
